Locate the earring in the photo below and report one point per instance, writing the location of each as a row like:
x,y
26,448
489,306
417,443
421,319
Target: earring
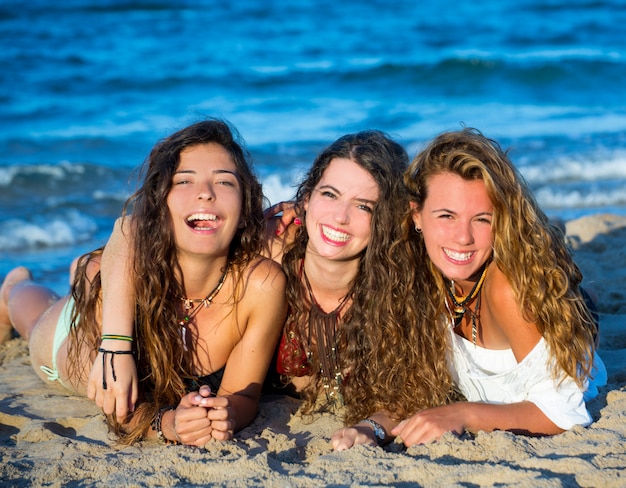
x,y
297,221
417,229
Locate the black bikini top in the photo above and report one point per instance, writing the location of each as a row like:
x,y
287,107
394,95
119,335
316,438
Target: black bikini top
x,y
213,381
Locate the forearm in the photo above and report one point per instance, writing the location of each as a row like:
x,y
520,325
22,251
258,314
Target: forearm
x,y
521,418
117,274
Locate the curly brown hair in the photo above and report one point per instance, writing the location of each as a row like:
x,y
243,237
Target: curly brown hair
x,y
530,251
162,362
370,339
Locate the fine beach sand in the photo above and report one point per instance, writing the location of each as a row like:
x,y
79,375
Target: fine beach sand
x,y
50,438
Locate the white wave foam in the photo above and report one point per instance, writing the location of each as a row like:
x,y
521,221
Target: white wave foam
x,y
63,230
609,167
58,171
551,198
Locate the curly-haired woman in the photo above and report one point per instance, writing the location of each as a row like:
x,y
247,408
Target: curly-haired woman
x,y
494,279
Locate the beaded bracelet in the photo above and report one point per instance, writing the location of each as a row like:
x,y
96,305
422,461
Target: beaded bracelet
x,y
116,337
156,425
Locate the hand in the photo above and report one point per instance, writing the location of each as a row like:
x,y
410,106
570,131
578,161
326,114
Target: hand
x,y
220,413
285,220
430,424
121,394
348,437
192,425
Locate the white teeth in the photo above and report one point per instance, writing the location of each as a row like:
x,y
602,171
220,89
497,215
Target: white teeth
x,y
458,256
335,235
201,216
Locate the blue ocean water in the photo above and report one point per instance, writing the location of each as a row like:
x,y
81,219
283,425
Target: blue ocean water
x,y
88,86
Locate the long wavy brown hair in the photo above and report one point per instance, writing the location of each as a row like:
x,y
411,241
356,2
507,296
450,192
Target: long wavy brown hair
x,y
370,334
162,363
530,251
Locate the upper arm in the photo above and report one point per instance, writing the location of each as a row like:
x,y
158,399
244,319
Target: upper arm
x,y
506,314
261,313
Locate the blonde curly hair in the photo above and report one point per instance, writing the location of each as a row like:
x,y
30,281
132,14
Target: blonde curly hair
x,y
529,251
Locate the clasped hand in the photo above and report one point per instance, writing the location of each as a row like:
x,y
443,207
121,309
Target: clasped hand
x,y
201,417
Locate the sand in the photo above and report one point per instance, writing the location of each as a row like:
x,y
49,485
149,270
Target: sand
x,y
49,438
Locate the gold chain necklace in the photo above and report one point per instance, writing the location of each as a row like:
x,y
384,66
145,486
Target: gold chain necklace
x,y
188,304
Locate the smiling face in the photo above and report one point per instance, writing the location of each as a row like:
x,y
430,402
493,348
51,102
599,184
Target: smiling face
x,y
456,225
205,200
339,211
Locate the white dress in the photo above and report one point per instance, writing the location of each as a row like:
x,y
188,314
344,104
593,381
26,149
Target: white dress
x,y
495,376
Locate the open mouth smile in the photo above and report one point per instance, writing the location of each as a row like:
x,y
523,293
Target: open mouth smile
x,y
202,221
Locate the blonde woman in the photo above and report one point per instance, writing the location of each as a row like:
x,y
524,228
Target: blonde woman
x,y
495,280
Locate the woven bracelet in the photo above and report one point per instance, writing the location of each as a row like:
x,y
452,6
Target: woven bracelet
x,y
104,356
116,337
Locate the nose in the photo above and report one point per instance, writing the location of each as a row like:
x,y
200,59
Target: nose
x,y
342,213
206,192
464,234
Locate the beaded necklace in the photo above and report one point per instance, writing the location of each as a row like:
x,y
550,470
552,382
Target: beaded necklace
x,y
459,303
325,327
188,304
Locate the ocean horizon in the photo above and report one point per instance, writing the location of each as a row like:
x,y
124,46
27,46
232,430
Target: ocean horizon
x,y
88,87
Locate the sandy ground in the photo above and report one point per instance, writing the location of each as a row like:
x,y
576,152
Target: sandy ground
x,y
49,438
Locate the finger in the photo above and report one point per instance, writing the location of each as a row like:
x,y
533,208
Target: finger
x,y
223,425
215,402
344,443
134,396
108,404
121,409
273,210
91,390
217,414
196,439
188,400
222,435
398,428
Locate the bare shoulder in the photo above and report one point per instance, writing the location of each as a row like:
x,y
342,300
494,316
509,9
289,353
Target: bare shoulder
x,y
499,289
263,274
506,313
263,302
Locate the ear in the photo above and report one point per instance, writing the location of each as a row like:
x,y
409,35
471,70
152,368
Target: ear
x,y
416,215
305,206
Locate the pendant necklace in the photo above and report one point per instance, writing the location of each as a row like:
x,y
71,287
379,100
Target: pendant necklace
x,y
191,311
459,303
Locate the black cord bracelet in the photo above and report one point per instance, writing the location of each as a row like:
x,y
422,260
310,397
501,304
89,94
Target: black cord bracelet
x,y
104,356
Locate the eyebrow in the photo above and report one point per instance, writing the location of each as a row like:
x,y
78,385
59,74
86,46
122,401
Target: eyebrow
x,y
362,200
215,171
446,210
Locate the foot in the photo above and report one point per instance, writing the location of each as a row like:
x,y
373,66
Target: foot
x,y
14,276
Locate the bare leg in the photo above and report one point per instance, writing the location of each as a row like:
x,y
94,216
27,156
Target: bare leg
x,y
22,303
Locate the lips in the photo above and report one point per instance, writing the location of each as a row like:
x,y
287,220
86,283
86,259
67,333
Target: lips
x,y
202,221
